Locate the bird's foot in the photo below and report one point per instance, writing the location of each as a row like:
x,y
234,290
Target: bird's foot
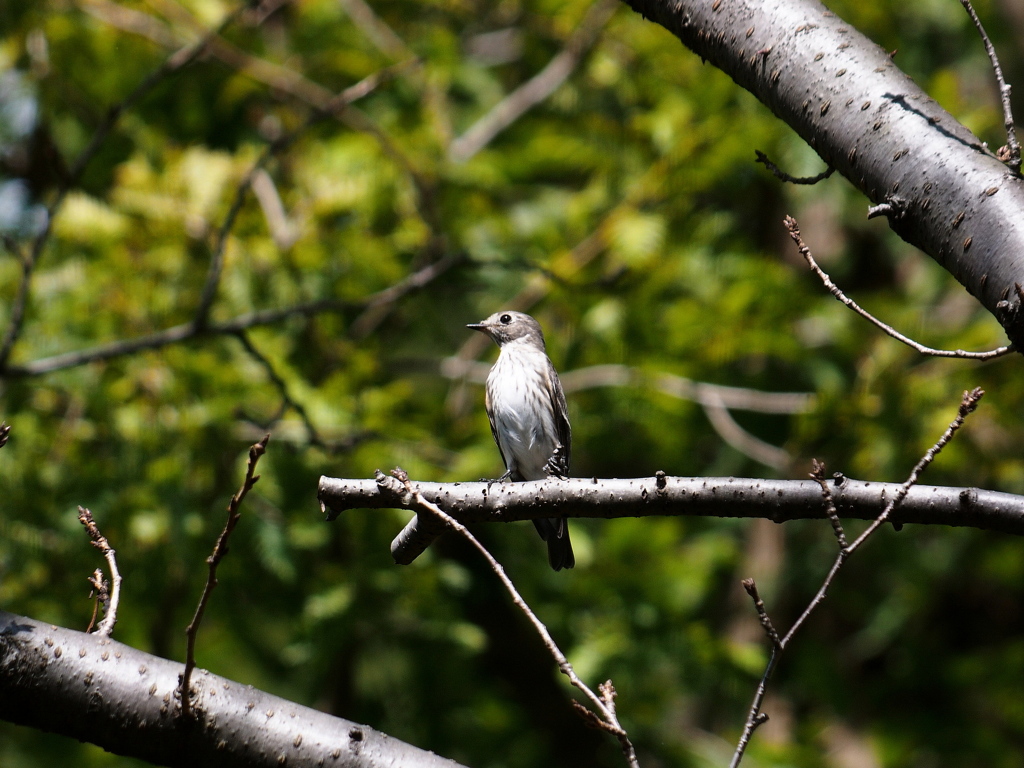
x,y
501,479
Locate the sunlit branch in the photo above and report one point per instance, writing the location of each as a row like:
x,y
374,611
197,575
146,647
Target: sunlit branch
x,y
1012,158
794,232
661,495
106,626
537,88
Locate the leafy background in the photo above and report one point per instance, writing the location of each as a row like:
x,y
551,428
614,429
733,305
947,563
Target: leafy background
x,y
627,214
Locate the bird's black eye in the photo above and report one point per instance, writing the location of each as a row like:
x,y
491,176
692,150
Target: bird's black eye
x,y
505,319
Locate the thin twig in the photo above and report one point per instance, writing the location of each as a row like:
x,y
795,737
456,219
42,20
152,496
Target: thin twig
x,y
755,717
783,176
100,594
794,232
537,88
100,542
766,623
818,474
1012,155
219,550
604,703
330,108
175,62
282,387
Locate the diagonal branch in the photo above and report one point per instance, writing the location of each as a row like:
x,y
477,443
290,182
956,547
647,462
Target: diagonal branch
x,y
537,88
174,63
1012,155
219,550
604,704
794,232
756,717
282,388
124,698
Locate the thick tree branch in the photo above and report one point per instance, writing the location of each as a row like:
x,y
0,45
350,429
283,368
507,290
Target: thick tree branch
x,y
776,500
870,121
97,690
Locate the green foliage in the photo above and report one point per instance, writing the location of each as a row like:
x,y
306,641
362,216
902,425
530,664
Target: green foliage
x,y
628,206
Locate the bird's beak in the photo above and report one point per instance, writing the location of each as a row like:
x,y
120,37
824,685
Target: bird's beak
x,y
478,327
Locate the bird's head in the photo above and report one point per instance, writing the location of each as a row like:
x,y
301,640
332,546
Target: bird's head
x,y
506,326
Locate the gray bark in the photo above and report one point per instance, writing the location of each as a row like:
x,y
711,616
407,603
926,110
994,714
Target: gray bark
x,y
843,94
777,500
95,689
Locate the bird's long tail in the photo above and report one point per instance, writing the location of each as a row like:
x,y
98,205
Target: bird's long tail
x,y
555,531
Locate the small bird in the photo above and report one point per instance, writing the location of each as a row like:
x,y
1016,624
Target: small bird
x,y
529,419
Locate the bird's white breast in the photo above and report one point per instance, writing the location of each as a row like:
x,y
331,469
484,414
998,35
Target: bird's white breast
x,y
522,409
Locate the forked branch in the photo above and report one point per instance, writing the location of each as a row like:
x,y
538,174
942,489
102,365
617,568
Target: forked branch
x,y
755,717
605,717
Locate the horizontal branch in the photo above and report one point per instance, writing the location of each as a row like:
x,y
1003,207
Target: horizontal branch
x,y
97,690
612,375
776,500
179,333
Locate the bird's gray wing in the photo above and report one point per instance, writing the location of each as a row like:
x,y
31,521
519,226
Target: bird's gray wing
x,y
560,461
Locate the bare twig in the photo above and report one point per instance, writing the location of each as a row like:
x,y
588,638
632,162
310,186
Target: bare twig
x,y
744,442
794,232
818,475
219,550
100,594
282,387
605,717
175,62
755,717
1012,154
100,542
783,176
330,108
537,88
751,588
